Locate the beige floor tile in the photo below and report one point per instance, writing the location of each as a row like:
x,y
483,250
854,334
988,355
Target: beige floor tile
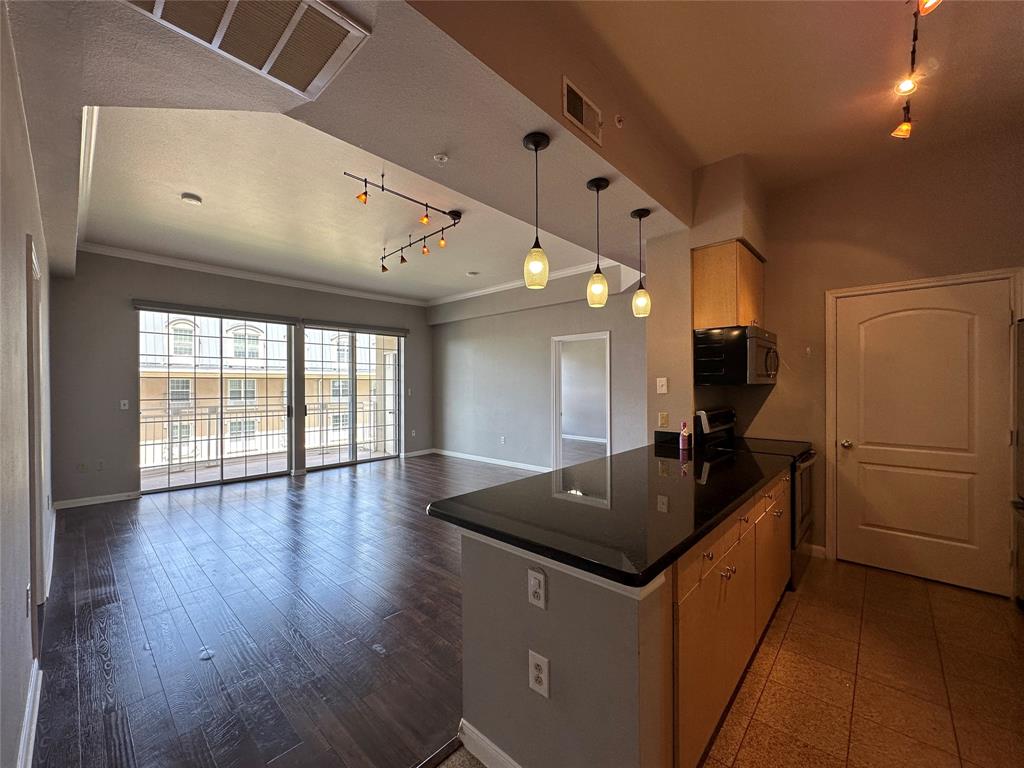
x,y
749,692
820,725
999,706
821,647
828,621
893,600
875,746
822,681
988,745
841,599
774,632
922,680
712,763
763,659
767,747
991,640
944,594
786,607
727,741
982,668
909,715
907,623
888,640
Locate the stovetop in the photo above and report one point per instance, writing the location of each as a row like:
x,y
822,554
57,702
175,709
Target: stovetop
x,y
791,448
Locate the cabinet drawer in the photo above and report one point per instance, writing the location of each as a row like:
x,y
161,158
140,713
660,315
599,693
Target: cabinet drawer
x,y
750,512
718,544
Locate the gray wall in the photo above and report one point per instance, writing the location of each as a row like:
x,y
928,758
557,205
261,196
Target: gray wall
x,y
923,214
95,363
19,217
584,390
492,377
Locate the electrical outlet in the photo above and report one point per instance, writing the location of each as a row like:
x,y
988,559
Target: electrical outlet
x,y
539,675
100,466
662,418
537,588
663,504
661,385
81,467
414,433
501,440
124,405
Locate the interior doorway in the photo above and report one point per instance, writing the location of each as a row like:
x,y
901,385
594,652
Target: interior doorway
x,y
920,408
581,396
33,329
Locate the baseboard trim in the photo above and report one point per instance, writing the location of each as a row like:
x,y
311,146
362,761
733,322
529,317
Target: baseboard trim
x,y
818,551
424,452
483,749
28,725
489,460
88,501
584,438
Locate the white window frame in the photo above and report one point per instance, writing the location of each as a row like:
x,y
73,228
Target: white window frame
x,y
344,387
250,343
171,397
244,396
179,331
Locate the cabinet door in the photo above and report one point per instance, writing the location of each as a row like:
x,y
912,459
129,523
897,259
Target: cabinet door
x,y
783,525
749,287
765,565
714,286
715,637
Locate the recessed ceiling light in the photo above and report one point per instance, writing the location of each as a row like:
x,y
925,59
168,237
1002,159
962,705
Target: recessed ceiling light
x,y
440,158
191,198
472,273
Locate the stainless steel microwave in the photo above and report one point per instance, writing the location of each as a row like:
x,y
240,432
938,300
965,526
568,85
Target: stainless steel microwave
x,y
740,354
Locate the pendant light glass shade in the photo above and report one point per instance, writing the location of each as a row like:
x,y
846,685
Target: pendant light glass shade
x,y
597,289
902,131
535,268
925,7
641,302
641,298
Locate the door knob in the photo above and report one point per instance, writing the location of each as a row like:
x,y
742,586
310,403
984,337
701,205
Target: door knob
x,y
847,444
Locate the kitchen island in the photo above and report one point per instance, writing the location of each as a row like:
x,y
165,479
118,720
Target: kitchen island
x,y
610,608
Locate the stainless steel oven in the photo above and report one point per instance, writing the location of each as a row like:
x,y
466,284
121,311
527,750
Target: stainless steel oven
x,y
803,513
735,355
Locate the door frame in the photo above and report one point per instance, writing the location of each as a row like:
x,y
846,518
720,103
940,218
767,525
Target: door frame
x,y
37,589
556,391
1015,279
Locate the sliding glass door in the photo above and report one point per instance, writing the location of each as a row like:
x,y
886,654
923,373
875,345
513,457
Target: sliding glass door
x,y
213,397
352,396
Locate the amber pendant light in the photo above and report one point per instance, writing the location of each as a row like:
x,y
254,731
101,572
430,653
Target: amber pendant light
x,y
902,131
597,288
535,267
641,298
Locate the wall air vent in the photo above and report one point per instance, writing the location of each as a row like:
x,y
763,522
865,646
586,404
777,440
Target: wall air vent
x,y
581,111
300,44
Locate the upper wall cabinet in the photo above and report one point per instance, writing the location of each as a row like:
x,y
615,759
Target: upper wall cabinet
x,y
728,286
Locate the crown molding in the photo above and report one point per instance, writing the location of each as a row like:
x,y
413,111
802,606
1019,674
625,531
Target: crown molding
x,y
241,274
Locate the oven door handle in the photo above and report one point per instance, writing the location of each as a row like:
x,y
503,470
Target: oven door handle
x,y
806,462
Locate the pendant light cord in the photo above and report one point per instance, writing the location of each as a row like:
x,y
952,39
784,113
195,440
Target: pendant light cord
x,y
913,45
640,237
536,195
598,196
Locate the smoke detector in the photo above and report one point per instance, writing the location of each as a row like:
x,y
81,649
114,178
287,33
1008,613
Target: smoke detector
x,y
299,44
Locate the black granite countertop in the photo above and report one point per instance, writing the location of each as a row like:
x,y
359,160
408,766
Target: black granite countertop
x,y
603,516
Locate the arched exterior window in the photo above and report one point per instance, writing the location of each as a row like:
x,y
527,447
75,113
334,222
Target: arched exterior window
x,y
183,338
245,341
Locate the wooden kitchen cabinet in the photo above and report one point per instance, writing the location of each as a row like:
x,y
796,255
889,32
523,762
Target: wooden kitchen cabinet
x,y
715,638
728,286
772,536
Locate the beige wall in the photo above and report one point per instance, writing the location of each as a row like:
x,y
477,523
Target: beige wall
x,y
928,214
19,216
95,357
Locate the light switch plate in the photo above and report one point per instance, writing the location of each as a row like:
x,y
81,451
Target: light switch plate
x,y
539,675
124,405
661,385
663,504
537,588
662,418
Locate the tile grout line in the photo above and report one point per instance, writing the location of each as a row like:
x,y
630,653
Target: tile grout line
x,y
856,668
945,682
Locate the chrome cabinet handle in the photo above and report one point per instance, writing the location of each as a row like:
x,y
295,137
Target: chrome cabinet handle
x,y
745,518
777,513
847,444
727,575
709,555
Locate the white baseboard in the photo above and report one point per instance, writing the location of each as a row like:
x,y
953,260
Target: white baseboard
x,y
88,501
424,452
483,749
584,439
489,460
818,551
28,723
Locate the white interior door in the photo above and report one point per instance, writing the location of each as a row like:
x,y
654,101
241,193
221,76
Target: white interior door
x,y
923,416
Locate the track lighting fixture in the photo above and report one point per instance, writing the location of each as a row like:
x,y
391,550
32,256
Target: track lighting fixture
x,y
641,298
455,217
383,266
597,287
902,131
535,267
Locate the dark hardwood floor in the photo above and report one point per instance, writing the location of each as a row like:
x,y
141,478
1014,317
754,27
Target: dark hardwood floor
x,y
313,621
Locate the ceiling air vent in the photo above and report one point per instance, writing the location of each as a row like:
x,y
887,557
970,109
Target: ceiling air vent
x,y
580,110
300,44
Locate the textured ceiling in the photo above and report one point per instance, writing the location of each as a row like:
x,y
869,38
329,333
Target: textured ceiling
x,y
806,88
276,202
